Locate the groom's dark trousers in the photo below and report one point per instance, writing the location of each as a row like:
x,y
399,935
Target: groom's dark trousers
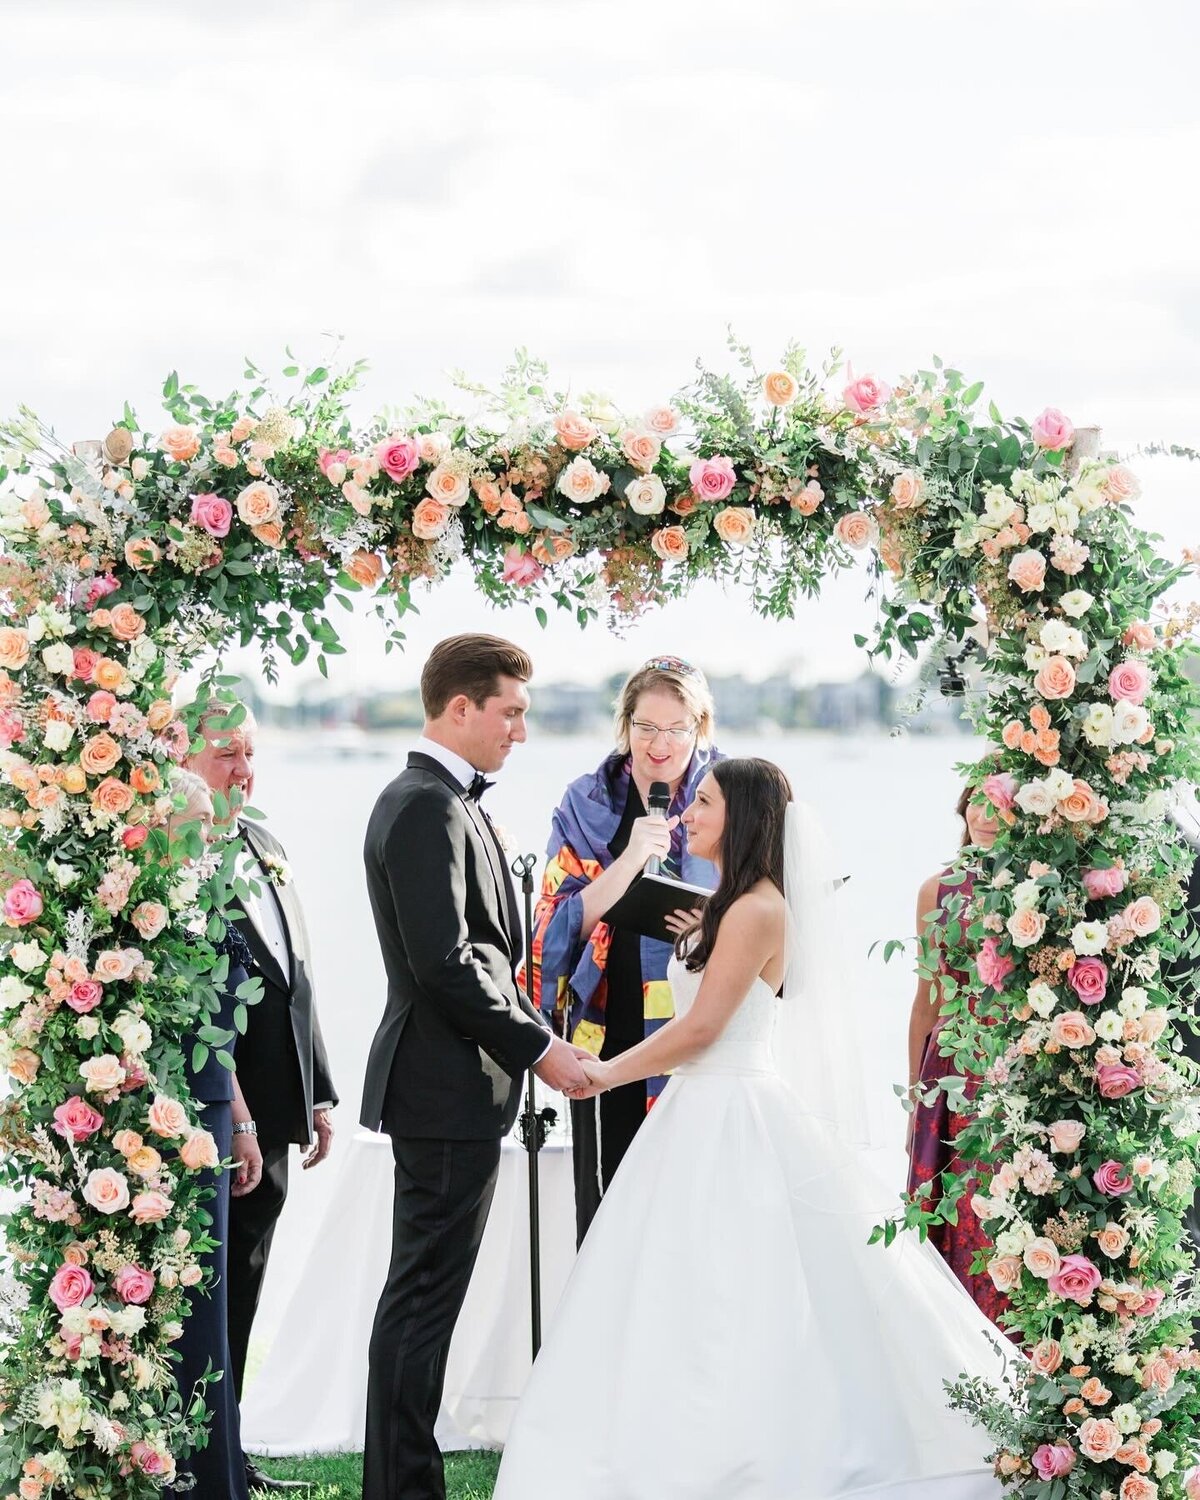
x,y
444,1080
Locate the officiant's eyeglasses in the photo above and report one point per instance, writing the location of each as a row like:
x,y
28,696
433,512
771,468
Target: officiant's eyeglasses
x,y
649,732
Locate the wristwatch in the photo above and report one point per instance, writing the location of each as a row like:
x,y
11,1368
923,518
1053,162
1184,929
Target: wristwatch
x,y
247,1127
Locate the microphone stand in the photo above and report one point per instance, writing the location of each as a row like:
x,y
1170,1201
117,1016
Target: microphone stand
x,y
532,1122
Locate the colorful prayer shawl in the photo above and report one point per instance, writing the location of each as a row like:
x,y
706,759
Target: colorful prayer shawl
x,y
569,983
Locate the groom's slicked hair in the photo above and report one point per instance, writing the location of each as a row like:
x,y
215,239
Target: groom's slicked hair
x,y
470,664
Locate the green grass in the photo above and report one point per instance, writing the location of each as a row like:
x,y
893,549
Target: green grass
x,y
338,1476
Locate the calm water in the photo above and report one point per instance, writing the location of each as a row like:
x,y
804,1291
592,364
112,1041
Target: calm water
x,y
887,803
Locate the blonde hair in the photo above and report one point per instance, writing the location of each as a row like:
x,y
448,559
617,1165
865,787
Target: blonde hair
x,y
198,798
685,682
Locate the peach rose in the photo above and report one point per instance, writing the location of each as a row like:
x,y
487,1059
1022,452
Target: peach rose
x,y
1046,1357
1139,634
574,432
1071,1029
430,519
113,965
1066,1136
1042,1258
856,530
167,1117
1113,1239
1028,571
149,917
109,675
14,648
553,547
641,449
72,780
1099,1439
101,1075
907,490
141,553
1121,484
734,525
106,1190
1079,805
199,1152
127,1142
1055,678
1026,926
125,622
662,419
365,568
182,443
24,1065
112,796
450,486
159,714
1005,1271
270,533
805,501
1138,1487
99,754
150,1208
1142,916
582,482
780,389
144,780
258,503
36,512
144,1162
670,543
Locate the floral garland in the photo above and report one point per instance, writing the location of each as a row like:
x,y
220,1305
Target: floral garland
x,y
249,517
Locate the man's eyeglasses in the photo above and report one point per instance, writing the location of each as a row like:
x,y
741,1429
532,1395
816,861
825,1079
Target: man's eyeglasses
x,y
649,732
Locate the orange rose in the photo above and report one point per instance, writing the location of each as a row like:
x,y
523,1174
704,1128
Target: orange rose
x,y
24,1065
1079,805
100,754
270,533
1039,717
365,568
489,495
141,553
574,432
159,714
553,547
108,674
14,648
1011,734
670,543
430,519
144,1162
112,796
145,779
779,388
125,623
1055,678
734,524
181,443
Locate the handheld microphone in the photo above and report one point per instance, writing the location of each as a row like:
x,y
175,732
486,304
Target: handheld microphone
x,y
658,805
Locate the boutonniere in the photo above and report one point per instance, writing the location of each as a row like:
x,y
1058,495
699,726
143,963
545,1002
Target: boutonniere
x,y
277,871
504,838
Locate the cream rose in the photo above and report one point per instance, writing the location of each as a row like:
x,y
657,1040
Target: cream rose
x,y
856,530
167,1117
1026,926
640,448
1005,1271
734,525
647,495
430,519
1042,1257
450,486
101,1075
582,482
258,503
106,1190
1099,1439
1071,1029
1113,1239
1066,1136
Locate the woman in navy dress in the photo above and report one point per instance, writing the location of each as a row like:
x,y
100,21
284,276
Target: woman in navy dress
x,y
219,1468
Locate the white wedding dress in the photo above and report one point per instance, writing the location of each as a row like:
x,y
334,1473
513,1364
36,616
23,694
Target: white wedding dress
x,y
728,1334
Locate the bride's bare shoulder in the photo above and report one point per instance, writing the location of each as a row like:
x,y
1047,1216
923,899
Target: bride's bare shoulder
x,y
760,909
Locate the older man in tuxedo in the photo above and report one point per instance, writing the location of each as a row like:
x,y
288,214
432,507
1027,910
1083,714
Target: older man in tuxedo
x,y
282,1064
456,1037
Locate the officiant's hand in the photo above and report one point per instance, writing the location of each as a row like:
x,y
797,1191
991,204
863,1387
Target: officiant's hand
x,y
648,836
562,1067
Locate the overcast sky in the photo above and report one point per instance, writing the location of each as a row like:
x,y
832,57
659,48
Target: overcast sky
x,y
609,184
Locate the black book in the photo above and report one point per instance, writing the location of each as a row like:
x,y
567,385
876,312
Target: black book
x,y
648,901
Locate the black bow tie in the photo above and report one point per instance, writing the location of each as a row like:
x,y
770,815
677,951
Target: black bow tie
x,y
479,785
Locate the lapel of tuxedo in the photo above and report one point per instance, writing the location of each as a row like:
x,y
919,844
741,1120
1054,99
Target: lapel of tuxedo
x,y
259,946
506,902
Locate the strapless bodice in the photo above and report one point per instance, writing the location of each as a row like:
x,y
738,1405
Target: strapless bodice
x,y
745,1044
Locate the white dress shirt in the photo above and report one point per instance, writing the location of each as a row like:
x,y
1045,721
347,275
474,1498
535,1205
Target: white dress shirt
x,y
464,773
263,908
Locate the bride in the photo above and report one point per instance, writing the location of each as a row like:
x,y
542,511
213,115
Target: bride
x,y
726,1331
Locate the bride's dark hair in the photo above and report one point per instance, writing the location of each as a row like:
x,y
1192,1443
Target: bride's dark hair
x,y
756,794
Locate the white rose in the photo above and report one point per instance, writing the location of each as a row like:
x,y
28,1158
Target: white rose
x,y
1040,517
1088,494
1130,722
1089,938
1076,603
1059,784
128,1320
35,628
27,957
1054,634
1041,998
58,734
1127,1418
133,1031
58,621
143,653
646,495
1098,725
14,991
59,659
1109,1026
75,1319
1035,656
1036,799
998,506
1026,893
1133,1002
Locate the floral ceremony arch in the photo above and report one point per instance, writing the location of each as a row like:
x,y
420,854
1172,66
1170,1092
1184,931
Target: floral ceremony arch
x,y
248,518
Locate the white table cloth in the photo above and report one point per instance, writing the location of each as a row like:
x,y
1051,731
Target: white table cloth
x,y
309,1396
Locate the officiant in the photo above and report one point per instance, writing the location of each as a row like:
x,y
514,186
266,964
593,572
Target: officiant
x,y
601,987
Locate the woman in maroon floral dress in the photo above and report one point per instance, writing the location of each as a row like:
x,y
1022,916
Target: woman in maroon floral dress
x,y
933,1127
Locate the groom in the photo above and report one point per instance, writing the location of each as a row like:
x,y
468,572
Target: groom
x,y
445,1068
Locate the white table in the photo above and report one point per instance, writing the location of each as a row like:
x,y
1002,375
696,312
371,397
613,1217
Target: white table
x,y
310,1394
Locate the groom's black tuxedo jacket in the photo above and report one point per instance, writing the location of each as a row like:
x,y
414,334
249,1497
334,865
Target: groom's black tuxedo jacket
x,y
457,1032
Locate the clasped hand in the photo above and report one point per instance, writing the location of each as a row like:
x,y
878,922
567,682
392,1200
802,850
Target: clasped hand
x,y
571,1070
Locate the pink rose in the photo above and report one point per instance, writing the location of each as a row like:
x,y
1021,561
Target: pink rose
x,y
149,917
70,1287
149,1208
1066,1135
1139,634
1112,1179
712,478
1053,1460
22,904
866,394
327,460
149,1460
1028,571
1151,1297
212,513
1052,430
994,967
1115,1081
1055,678
84,995
76,1119
1088,977
1101,884
398,456
86,661
132,1284
1000,788
1129,681
1077,1278
1142,916
521,568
